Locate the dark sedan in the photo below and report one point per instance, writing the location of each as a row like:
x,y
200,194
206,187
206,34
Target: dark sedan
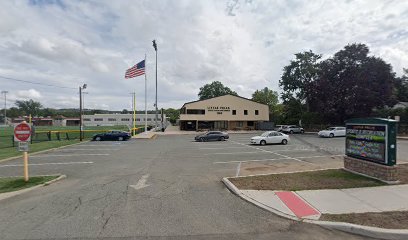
x,y
212,136
112,135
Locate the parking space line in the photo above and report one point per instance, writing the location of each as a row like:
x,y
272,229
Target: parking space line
x,y
71,155
231,153
91,149
219,148
238,169
41,164
275,159
260,149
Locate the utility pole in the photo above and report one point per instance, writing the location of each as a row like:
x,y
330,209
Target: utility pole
x,y
155,48
80,111
5,107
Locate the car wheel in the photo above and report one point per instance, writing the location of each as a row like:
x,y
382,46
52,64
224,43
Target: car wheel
x,y
331,135
263,142
291,132
284,141
222,138
120,138
202,140
302,131
98,139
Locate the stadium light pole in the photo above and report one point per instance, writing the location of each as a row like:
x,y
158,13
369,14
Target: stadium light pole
x,y
80,111
5,106
155,104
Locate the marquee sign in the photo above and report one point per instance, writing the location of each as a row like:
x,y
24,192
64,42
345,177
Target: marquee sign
x,y
371,142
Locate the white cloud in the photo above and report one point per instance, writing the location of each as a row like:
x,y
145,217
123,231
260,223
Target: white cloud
x,y
242,43
28,94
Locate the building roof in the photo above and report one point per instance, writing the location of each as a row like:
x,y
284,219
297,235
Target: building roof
x,y
222,96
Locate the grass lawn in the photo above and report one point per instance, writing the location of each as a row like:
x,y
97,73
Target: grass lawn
x,y
323,179
18,183
393,220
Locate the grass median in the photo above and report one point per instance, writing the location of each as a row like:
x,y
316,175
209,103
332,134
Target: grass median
x,y
11,184
312,180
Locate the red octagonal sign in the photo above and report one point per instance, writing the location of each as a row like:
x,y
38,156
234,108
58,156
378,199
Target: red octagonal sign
x,y
22,132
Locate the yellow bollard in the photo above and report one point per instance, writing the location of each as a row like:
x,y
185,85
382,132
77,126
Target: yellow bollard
x,y
25,157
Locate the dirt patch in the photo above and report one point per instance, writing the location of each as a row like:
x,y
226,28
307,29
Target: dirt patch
x,y
322,179
393,220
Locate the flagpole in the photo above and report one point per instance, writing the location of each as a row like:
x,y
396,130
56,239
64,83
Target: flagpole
x,y
145,96
134,113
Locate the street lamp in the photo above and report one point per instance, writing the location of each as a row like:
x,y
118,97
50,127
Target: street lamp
x,y
80,111
155,48
5,106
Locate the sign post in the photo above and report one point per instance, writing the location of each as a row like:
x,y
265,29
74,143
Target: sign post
x,y
22,135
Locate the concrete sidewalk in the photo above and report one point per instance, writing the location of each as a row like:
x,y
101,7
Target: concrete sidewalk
x,y
300,204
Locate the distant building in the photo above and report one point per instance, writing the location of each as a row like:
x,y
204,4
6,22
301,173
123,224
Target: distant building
x,y
64,121
122,119
226,112
36,121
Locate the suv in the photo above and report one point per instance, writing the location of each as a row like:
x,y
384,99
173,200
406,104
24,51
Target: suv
x,y
293,129
279,128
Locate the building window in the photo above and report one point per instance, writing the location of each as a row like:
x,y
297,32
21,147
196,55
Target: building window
x,y
98,119
245,112
240,124
125,119
196,111
149,119
256,112
250,123
112,119
234,112
87,120
138,119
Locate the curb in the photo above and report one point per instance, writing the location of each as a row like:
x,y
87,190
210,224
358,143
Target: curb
x,y
7,195
42,151
374,232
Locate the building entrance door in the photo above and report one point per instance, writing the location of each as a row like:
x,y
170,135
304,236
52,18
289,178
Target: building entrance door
x,y
221,125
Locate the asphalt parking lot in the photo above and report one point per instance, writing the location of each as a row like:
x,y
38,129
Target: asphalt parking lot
x,y
166,187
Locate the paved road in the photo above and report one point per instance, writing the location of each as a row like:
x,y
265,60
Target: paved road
x,y
168,188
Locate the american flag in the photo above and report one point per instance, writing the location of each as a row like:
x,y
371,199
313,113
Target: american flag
x,y
137,70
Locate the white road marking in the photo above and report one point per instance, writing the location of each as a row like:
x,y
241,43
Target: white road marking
x,y
71,155
41,164
275,159
231,153
238,169
90,149
141,183
98,145
218,148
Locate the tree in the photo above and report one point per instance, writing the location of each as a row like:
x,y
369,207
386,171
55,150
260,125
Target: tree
x,y
298,77
124,111
214,89
29,107
268,97
401,87
352,84
173,114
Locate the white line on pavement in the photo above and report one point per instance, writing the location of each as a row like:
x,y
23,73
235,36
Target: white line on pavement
x,y
141,183
71,155
90,149
232,153
219,148
275,159
238,169
40,164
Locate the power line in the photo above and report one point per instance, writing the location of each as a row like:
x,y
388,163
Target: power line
x,y
31,82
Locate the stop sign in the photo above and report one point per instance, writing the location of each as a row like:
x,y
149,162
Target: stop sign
x,y
22,132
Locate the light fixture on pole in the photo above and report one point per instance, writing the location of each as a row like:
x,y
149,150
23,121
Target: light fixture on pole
x,y
5,106
80,111
155,104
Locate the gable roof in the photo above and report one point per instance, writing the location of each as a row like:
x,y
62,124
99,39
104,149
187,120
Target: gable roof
x,y
222,96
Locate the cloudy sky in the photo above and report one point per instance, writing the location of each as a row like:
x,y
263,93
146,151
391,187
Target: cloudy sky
x,y
243,44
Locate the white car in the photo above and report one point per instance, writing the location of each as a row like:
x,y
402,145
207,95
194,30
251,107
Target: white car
x,y
270,137
333,132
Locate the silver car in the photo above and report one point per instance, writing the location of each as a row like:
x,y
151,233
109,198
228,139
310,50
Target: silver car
x,y
293,129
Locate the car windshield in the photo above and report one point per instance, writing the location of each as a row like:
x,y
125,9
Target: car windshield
x,y
265,134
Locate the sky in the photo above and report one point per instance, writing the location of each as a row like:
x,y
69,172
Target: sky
x,y
243,43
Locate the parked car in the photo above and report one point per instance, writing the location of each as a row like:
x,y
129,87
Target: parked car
x,y
293,129
333,132
270,137
112,135
279,128
212,136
